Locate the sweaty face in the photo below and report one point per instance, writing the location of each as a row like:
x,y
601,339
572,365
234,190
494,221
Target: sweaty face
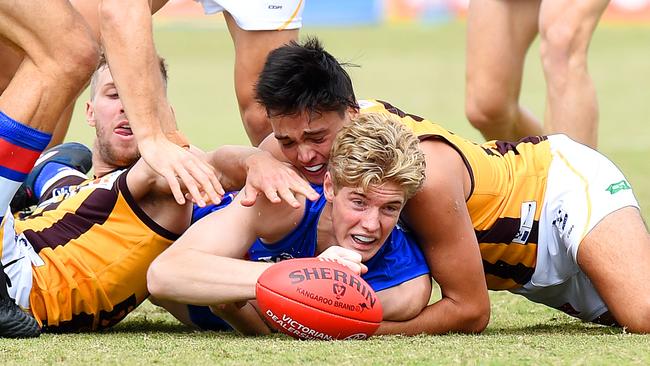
x,y
363,220
115,143
306,142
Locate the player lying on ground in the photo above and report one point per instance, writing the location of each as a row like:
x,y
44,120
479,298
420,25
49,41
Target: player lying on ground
x,y
375,166
79,261
544,217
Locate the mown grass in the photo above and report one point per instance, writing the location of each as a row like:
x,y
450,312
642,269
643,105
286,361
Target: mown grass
x,y
420,69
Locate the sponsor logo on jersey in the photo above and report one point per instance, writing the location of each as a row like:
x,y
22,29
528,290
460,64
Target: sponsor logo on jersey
x,y
526,221
618,186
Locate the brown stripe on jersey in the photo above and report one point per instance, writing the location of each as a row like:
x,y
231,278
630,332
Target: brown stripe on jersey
x,y
488,151
518,272
504,147
95,209
504,230
462,155
124,189
394,110
498,283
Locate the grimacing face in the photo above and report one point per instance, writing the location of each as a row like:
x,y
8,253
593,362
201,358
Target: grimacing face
x,y
115,142
363,220
306,140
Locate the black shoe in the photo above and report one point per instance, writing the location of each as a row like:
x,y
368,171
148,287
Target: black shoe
x,y
15,323
72,154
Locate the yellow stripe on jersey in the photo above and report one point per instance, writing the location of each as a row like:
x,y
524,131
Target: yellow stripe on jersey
x,y
508,186
585,186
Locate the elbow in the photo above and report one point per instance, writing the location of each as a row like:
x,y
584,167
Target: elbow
x,y
158,282
110,12
475,318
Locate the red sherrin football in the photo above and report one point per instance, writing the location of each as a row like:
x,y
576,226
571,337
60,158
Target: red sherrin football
x,y
311,299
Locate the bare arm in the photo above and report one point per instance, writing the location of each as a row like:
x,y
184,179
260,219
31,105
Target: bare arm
x,y
405,301
126,34
439,218
200,267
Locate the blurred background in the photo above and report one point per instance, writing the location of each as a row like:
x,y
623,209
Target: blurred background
x,y
412,54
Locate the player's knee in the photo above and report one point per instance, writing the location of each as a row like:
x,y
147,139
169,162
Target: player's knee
x,y
486,112
562,48
81,60
155,282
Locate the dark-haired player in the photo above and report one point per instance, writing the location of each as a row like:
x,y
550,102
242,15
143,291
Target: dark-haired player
x,y
544,217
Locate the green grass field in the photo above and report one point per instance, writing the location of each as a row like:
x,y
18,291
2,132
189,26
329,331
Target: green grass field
x,y
421,70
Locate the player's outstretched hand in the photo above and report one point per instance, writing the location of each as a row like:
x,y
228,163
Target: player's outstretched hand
x,y
178,165
346,257
278,181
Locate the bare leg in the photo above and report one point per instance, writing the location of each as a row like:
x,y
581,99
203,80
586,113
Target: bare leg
x,y
615,255
10,59
251,49
566,31
499,33
59,53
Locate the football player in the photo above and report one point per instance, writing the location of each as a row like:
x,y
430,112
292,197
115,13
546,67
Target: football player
x,y
78,262
544,217
375,167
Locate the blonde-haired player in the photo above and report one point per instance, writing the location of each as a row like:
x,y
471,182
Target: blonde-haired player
x,y
375,167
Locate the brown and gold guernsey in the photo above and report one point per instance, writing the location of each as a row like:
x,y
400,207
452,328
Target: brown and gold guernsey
x,y
95,245
508,185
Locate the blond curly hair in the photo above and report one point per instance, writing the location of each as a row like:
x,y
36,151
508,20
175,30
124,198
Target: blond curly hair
x,y
374,149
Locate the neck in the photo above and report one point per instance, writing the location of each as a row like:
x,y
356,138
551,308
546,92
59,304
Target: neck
x,y
325,236
100,166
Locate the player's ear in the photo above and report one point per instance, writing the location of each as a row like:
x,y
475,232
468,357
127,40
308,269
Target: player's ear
x,y
328,187
90,114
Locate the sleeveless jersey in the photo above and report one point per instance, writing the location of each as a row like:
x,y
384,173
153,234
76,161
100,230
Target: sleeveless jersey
x,y
399,259
94,246
508,185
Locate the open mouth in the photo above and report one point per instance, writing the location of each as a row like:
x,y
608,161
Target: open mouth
x,y
123,129
314,168
363,240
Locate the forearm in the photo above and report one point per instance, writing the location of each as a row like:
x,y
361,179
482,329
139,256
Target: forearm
x,y
231,161
441,317
126,34
194,277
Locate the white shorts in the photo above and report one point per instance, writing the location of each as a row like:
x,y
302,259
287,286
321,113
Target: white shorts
x,y
18,256
582,188
252,15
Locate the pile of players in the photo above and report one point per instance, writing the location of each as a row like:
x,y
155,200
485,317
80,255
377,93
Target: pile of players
x,y
544,216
